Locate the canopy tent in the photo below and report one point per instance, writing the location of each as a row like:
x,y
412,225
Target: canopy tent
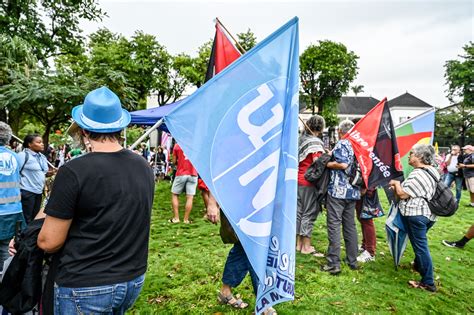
x,y
149,117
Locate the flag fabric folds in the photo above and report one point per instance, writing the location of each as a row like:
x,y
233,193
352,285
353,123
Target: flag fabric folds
x,y
397,236
419,129
244,146
223,52
375,146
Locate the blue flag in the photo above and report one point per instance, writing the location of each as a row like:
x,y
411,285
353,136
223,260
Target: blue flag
x,y
240,131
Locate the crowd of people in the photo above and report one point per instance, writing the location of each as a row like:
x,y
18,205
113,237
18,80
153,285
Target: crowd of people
x,y
99,246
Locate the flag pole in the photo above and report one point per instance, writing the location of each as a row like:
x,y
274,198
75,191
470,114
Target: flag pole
x,y
230,34
146,134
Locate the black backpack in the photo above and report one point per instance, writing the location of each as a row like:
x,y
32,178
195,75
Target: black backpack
x,y
442,203
316,169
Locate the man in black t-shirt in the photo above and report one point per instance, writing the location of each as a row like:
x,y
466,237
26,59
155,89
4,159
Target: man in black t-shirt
x,y
98,215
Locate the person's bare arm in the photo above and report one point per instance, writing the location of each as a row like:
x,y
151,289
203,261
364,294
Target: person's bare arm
x,y
53,234
337,166
212,209
397,188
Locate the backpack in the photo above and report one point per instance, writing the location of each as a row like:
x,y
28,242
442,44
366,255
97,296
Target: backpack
x,y
442,203
316,169
354,173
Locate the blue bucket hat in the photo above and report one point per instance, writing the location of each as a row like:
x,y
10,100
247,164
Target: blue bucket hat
x,y
101,112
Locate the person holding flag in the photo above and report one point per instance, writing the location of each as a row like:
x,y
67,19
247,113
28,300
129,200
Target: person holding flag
x,y
248,155
341,200
417,218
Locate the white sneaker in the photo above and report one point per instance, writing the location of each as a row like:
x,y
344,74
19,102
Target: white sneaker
x,y
365,257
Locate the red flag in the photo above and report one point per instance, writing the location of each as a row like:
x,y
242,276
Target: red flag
x,y
375,146
223,52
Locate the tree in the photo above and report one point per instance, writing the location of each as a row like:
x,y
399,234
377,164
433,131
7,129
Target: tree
x,y
140,66
356,89
194,69
247,40
460,81
51,27
326,71
15,55
46,96
454,125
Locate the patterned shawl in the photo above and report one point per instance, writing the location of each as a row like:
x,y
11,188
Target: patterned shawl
x,y
308,144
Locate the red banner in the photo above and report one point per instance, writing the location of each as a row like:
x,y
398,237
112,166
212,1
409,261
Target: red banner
x,y
375,146
223,53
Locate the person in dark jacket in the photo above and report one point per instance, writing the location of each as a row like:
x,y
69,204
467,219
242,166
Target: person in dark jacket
x,y
21,286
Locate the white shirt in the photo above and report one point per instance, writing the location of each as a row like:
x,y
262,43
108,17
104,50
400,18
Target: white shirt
x,y
452,167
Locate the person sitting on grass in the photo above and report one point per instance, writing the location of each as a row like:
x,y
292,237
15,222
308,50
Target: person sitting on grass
x,y
462,242
415,212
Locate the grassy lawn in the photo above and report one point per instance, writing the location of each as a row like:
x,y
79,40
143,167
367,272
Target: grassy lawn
x,y
186,262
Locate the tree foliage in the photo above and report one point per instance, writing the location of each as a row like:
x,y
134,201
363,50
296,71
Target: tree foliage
x,y
356,89
44,95
51,27
194,69
326,71
456,122
247,40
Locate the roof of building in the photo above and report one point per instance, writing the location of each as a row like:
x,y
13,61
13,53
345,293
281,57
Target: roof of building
x,y
407,100
356,105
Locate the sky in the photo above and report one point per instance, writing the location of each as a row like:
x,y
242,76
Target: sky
x,y
403,45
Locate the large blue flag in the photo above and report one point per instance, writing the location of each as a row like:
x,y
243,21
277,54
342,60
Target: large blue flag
x,y
240,132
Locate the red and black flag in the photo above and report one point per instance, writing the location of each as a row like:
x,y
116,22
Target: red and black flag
x,y
223,52
375,146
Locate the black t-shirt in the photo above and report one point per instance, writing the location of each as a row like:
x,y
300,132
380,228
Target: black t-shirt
x,y
109,197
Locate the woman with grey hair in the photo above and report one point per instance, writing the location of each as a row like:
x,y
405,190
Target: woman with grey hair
x,y
10,198
413,193
310,148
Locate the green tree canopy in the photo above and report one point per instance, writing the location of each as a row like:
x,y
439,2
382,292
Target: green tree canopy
x,y
326,71
141,66
51,27
46,96
356,89
456,122
247,40
194,69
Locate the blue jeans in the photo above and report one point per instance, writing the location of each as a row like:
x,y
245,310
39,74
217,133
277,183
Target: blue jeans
x,y
106,299
236,267
449,179
417,227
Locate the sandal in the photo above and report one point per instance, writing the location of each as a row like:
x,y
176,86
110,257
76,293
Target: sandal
x,y
231,300
270,311
419,285
173,220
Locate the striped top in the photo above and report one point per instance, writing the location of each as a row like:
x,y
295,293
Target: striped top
x,y
419,185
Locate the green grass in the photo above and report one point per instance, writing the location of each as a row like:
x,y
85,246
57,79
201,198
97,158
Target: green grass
x,y
186,262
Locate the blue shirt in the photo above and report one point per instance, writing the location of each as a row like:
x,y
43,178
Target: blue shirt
x,y
33,175
10,199
339,186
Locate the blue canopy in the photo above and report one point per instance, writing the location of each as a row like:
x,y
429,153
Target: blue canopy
x,y
150,116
